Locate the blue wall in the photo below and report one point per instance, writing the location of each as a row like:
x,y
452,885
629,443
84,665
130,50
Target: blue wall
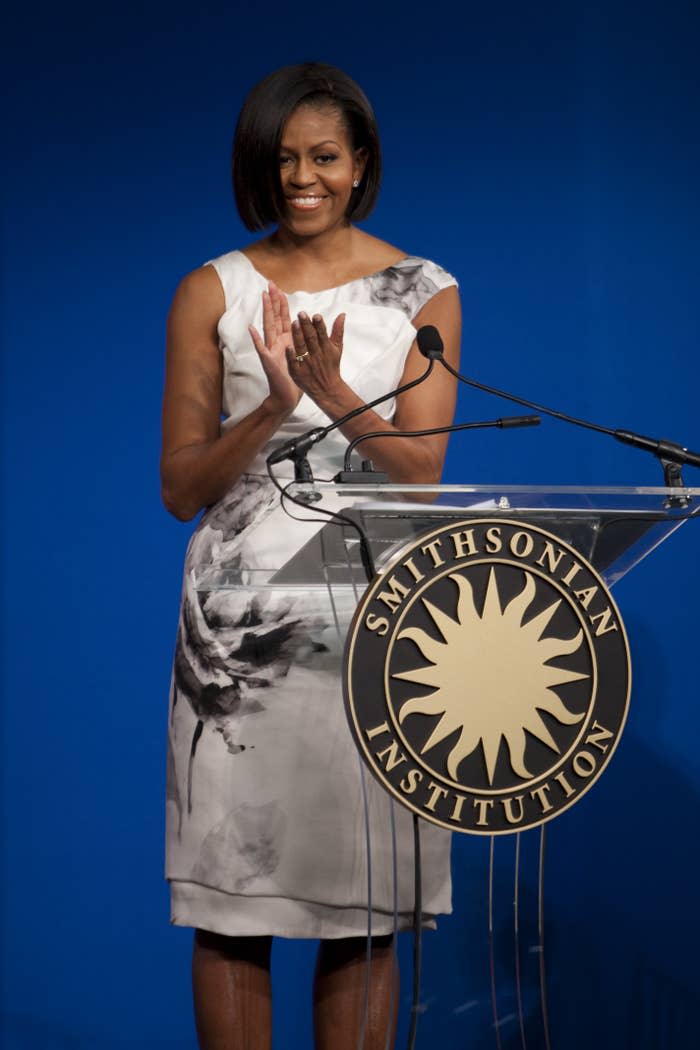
x,y
545,153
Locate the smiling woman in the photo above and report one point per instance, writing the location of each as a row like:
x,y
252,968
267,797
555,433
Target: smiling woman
x,y
263,141
291,332
319,169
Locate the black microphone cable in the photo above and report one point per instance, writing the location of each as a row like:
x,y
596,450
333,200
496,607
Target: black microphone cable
x,y
333,516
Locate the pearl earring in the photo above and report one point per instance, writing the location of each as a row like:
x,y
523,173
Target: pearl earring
x,y
355,184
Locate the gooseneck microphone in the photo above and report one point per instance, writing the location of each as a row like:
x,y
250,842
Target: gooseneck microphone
x,y
505,423
671,455
297,448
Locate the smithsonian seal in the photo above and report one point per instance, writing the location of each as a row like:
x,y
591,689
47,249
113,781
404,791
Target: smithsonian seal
x,y
487,676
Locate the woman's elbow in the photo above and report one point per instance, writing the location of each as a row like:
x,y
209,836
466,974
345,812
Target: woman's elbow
x,y
177,503
429,477
430,467
424,470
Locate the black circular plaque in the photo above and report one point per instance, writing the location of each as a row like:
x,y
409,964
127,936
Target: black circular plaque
x,y
487,676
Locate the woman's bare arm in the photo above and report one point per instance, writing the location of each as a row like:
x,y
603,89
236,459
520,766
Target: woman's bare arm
x,y
198,463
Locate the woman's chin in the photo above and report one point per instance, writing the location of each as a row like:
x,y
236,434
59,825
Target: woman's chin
x,y
312,223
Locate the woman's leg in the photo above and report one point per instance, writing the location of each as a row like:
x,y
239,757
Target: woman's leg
x,y
232,991
339,994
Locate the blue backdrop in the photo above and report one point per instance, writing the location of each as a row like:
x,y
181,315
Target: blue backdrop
x,y
548,155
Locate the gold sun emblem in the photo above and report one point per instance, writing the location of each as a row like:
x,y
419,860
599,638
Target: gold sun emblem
x,y
491,676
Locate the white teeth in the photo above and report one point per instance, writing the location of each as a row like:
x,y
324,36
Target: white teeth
x,y
308,201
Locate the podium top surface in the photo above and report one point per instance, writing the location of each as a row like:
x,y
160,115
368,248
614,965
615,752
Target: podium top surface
x,y
614,527
595,496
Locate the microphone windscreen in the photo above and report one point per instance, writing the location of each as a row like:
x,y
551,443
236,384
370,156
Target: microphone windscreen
x,y
429,342
520,421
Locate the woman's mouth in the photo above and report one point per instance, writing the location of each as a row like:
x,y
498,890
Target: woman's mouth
x,y
307,203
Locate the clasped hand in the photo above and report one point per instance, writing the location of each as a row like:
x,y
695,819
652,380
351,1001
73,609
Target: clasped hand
x,y
297,357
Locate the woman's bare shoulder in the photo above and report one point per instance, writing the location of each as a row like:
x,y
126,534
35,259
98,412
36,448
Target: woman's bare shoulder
x,y
200,290
204,281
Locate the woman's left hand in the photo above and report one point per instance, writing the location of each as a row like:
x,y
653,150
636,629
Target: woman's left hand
x,y
314,362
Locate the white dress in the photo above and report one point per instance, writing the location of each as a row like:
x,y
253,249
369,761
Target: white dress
x,y
265,815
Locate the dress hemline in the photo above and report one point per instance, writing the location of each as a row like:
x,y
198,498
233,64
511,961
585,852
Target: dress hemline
x,y
236,915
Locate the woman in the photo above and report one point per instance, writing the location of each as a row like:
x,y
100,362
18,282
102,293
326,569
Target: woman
x,y
298,328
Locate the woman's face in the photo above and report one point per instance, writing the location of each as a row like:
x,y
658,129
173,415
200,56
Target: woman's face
x,y
317,168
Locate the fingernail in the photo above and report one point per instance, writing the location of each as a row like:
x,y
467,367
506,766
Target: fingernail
x,y
303,316
317,318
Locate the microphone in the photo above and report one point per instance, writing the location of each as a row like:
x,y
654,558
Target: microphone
x,y
661,449
360,477
671,455
431,347
430,342
297,448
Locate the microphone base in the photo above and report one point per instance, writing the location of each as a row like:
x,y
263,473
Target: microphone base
x,y
361,477
674,480
303,475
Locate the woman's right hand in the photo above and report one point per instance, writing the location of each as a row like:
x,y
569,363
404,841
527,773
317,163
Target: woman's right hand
x,y
272,347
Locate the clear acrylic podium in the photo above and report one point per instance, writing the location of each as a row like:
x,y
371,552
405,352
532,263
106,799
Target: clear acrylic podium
x,y
614,528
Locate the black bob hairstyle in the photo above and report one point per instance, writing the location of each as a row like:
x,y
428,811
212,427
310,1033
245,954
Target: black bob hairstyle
x,y
256,144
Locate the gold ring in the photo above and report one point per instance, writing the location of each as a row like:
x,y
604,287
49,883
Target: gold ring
x,y
300,357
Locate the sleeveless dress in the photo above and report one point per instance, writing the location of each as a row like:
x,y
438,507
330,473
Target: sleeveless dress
x,y
266,830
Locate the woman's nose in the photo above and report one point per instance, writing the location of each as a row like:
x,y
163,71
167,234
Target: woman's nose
x,y
303,174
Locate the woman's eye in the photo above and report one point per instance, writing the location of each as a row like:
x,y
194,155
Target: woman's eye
x,y
284,161
325,158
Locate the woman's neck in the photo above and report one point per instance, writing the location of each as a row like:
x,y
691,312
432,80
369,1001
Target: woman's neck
x,y
328,249
311,263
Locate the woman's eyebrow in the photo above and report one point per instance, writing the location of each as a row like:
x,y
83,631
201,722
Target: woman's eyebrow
x,y
317,145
